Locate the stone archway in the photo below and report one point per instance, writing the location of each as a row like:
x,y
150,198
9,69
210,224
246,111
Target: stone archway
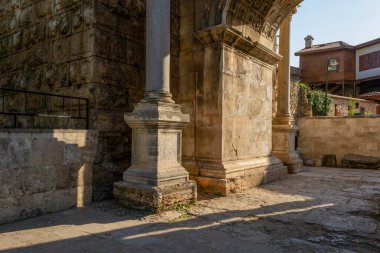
x,y
255,20
227,60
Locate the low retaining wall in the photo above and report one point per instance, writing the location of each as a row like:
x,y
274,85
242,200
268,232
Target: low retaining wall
x,y
340,106
44,171
339,135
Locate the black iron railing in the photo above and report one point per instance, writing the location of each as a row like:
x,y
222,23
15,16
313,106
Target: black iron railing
x,y
30,109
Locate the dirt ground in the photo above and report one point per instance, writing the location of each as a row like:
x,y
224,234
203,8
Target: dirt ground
x,y
318,210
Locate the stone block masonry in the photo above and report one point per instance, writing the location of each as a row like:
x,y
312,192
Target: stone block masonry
x,y
44,171
340,105
88,48
156,178
95,49
226,79
339,136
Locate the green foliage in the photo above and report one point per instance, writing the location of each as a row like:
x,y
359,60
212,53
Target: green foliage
x,y
319,100
183,209
351,107
303,86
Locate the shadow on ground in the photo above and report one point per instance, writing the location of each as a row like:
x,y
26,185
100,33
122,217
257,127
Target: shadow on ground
x,y
316,211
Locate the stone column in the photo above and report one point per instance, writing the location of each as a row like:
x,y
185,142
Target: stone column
x,y
284,129
156,178
283,101
158,51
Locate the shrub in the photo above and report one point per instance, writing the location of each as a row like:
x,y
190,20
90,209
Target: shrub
x,y
319,100
303,86
351,107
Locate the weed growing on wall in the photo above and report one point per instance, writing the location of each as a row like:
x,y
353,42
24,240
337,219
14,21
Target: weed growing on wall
x,y
351,107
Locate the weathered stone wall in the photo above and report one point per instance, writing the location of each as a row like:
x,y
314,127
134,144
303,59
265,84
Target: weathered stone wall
x,y
89,48
298,101
340,105
300,106
118,81
190,83
246,106
339,136
42,43
95,49
226,88
48,46
44,171
232,97
295,101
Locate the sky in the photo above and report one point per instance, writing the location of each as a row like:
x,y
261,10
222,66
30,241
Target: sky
x,y
351,21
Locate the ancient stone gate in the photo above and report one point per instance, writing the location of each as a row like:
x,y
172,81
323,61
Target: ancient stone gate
x,y
226,62
219,61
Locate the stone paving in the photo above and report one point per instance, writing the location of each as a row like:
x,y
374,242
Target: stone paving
x,y
318,210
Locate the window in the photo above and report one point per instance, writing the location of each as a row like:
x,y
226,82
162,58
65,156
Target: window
x,y
332,65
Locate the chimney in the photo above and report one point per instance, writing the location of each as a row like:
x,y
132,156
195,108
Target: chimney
x,y
309,41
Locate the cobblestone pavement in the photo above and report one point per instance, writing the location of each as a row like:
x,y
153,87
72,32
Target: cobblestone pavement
x,y
318,210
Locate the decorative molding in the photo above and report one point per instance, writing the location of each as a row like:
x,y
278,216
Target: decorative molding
x,y
262,16
242,24
235,39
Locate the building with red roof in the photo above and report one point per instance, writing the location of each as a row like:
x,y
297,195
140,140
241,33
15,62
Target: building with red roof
x,y
341,68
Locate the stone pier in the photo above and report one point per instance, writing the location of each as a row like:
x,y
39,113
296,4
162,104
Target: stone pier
x,y
284,129
156,178
226,86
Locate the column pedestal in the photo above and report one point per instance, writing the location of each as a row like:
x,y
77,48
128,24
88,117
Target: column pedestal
x,y
283,139
156,178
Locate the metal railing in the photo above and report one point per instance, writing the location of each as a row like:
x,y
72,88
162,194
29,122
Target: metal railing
x,y
30,109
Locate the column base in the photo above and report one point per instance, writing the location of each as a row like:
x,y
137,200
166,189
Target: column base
x,y
283,143
293,163
154,198
235,176
156,178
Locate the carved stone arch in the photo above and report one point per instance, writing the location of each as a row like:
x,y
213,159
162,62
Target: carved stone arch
x,y
226,12
248,25
263,16
228,77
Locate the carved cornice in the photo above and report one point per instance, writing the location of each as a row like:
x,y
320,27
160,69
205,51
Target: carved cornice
x,y
235,39
249,26
262,16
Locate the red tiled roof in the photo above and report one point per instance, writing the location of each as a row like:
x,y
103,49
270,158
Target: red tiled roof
x,y
324,47
335,45
371,95
368,43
